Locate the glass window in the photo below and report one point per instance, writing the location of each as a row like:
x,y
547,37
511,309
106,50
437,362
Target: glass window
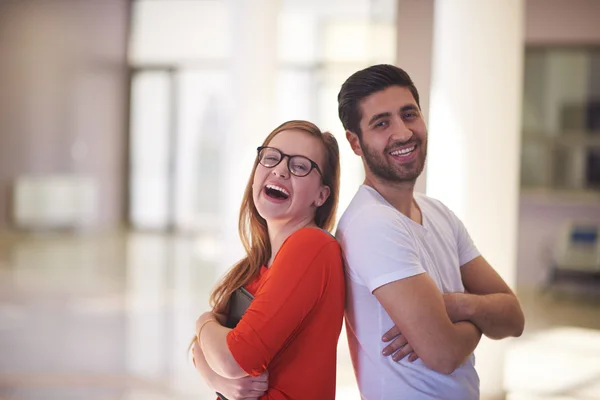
x,y
150,147
561,118
176,31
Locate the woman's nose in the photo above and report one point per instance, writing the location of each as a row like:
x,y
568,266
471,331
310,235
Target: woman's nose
x,y
281,169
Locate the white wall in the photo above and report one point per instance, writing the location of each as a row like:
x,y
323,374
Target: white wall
x,y
63,96
414,52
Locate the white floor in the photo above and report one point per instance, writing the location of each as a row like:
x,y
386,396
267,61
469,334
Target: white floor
x,y
109,317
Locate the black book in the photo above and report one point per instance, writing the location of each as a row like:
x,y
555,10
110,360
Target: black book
x,y
238,304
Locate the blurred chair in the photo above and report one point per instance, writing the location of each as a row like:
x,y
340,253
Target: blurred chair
x,y
577,254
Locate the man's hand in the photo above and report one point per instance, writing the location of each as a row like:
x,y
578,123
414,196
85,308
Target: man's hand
x,y
458,306
493,306
248,387
399,348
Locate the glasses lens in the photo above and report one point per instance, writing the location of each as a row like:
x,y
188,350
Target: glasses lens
x,y
269,157
300,166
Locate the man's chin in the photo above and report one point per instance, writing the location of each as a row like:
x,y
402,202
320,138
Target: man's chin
x,y
398,179
394,174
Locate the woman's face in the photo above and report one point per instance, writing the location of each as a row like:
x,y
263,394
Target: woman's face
x,y
281,196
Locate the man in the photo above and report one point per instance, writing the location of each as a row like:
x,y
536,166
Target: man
x,y
411,265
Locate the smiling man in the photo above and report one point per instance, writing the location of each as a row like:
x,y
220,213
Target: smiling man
x,y
419,294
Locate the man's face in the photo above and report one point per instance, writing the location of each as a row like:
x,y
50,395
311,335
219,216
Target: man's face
x,y
393,143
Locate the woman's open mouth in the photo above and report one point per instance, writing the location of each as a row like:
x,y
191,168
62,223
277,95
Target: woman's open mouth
x,y
276,192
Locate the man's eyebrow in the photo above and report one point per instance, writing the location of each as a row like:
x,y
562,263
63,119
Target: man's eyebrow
x,y
379,116
409,107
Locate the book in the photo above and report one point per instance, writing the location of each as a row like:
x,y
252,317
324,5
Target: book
x,y
238,304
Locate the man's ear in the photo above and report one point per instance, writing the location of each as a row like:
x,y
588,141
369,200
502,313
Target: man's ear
x,y
354,142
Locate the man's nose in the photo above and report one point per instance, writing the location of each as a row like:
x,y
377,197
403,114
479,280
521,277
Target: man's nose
x,y
401,132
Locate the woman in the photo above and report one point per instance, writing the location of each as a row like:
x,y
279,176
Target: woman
x,y
294,270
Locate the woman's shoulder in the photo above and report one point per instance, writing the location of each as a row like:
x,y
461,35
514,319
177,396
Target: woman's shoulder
x,y
310,241
310,246
313,236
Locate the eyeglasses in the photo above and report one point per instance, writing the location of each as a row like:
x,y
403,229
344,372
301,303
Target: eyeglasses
x,y
298,165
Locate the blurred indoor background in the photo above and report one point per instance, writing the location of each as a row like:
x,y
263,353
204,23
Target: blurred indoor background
x,y
128,130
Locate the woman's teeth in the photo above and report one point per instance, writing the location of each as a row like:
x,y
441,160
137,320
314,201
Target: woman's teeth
x,y
277,191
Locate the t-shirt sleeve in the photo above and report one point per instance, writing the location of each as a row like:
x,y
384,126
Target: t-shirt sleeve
x,y
467,250
378,247
296,281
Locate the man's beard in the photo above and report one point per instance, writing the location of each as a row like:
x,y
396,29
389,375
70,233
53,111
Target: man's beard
x,y
391,173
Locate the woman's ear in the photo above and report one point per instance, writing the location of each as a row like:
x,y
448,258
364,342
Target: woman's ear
x,y
324,193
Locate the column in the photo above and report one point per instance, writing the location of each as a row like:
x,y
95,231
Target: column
x,y
252,92
414,48
474,141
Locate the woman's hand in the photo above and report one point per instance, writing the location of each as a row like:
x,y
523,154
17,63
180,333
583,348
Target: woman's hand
x,y
249,387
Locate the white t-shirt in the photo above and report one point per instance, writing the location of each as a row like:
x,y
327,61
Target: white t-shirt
x,y
382,245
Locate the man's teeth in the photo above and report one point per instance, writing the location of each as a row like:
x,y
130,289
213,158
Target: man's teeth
x,y
403,151
278,188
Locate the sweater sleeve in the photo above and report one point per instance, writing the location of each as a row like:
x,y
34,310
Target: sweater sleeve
x,y
296,281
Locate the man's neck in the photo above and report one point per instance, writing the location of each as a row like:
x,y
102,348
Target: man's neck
x,y
399,195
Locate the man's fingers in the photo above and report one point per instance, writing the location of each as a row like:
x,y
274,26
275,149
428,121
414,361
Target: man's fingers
x,y
413,357
392,333
395,345
403,352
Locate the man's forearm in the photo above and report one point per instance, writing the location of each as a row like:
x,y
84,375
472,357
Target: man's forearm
x,y
468,336
461,342
497,315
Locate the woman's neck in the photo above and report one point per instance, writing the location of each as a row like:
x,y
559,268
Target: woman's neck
x,y
279,232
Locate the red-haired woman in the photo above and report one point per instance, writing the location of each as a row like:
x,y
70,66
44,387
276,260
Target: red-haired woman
x,y
285,345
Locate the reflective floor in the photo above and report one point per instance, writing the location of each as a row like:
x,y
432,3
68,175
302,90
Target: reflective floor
x,y
109,317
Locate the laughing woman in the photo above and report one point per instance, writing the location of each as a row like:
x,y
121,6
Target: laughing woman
x,y
284,346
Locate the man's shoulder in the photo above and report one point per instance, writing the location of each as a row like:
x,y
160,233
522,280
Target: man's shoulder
x,y
367,204
434,208
370,218
422,198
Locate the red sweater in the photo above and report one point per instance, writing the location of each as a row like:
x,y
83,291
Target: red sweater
x,y
294,322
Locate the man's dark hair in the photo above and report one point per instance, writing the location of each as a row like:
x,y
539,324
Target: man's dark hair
x,y
364,83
